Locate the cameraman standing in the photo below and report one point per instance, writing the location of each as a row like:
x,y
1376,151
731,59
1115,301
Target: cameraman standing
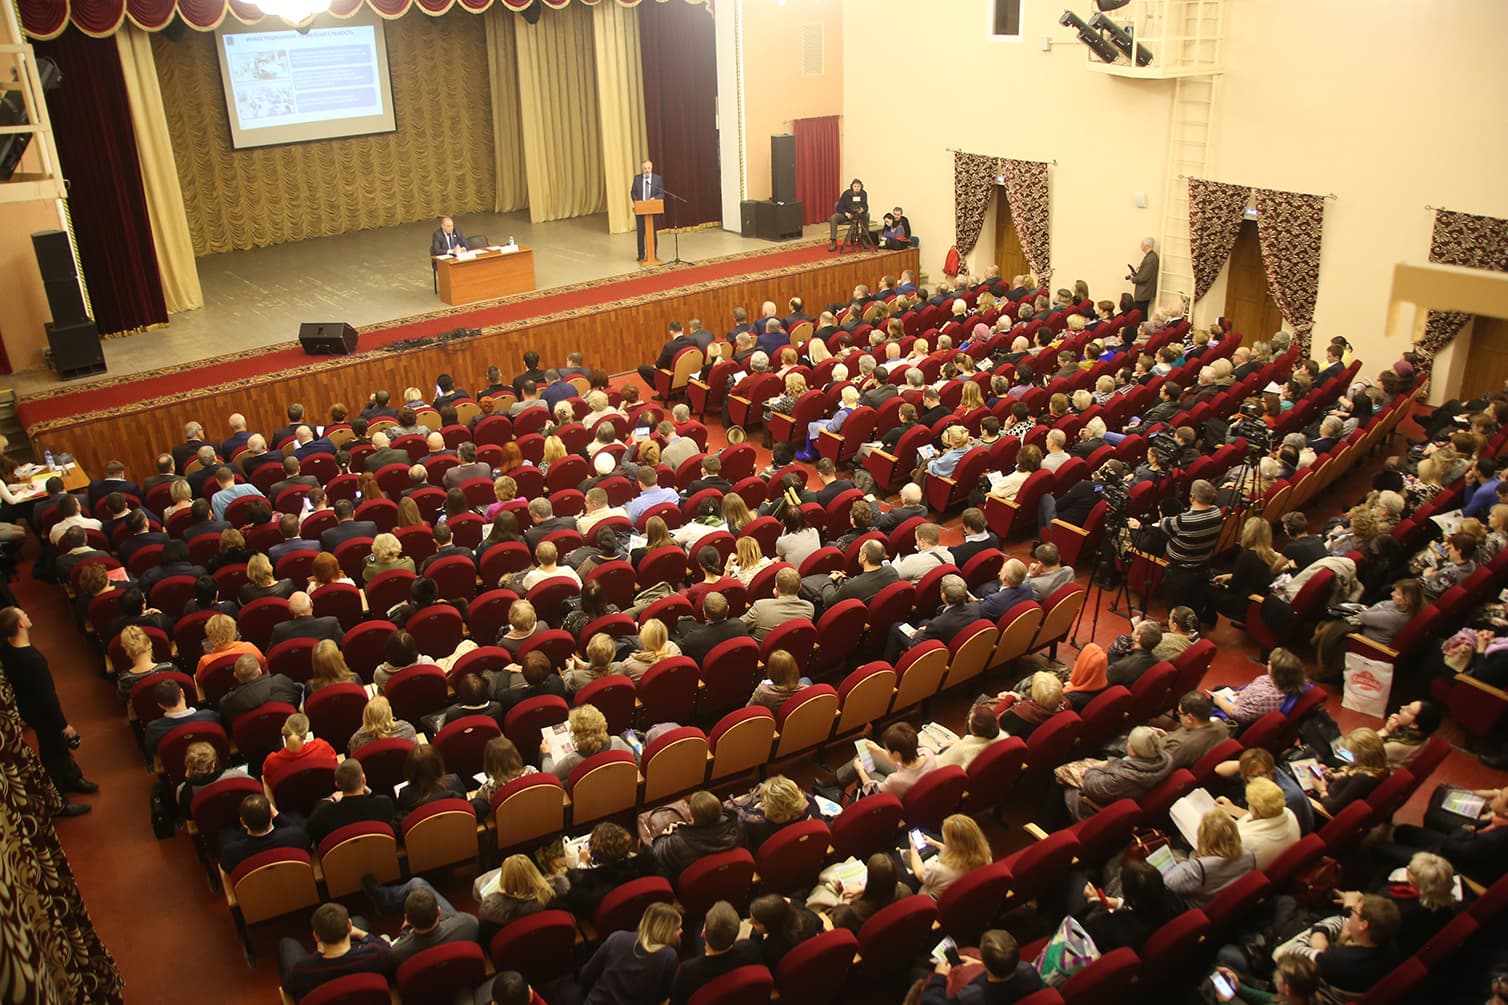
x,y
1191,536
37,702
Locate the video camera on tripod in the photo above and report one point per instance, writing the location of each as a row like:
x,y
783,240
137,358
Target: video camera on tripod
x,y
1110,482
1166,448
1250,425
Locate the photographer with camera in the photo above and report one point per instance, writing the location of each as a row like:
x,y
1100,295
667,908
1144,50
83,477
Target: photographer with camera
x,y
1191,539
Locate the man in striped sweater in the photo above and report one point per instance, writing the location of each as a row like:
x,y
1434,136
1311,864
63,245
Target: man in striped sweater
x,y
1191,537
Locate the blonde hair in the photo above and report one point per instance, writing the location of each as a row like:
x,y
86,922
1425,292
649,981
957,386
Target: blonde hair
x,y
259,570
964,845
377,718
520,879
1264,798
653,637
795,384
749,553
588,729
1433,877
973,397
600,651
295,730
134,642
329,664
1105,383
180,492
1218,835
504,488
200,759
1256,537
386,548
1365,744
657,927
220,630
555,449
1082,399
521,616
1046,689
782,799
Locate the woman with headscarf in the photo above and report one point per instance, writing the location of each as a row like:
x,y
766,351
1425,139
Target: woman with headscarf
x,y
1088,677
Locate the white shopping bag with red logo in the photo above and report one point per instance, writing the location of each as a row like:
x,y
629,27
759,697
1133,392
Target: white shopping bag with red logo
x,y
1368,684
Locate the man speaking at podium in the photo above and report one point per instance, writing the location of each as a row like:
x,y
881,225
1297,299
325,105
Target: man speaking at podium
x,y
647,185
447,239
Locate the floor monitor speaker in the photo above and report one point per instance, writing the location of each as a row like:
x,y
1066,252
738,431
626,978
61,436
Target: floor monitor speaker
x,y
76,350
327,338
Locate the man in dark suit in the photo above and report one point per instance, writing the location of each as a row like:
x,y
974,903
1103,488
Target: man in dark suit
x,y
744,347
352,803
176,711
445,547
446,391
646,185
932,408
531,372
308,445
740,324
907,285
556,390
291,542
957,614
295,419
204,522
346,526
114,481
1334,365
139,534
1144,277
827,326
208,462
977,537
468,469
575,366
253,689
772,340
260,831
907,417
384,453
1128,668
544,522
797,316
166,472
1167,404
377,407
874,575
447,239
291,479
303,624
852,205
711,478
723,953
832,485
256,455
193,439
910,506
697,639
239,434
678,340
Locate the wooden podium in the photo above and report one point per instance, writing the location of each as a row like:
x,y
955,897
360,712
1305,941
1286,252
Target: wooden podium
x,y
647,210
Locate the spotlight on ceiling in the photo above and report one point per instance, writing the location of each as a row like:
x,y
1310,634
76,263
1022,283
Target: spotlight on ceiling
x,y
1111,4
1089,36
1122,39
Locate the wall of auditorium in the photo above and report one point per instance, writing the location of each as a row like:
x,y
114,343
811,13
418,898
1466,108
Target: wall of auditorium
x,y
439,161
1380,107
775,91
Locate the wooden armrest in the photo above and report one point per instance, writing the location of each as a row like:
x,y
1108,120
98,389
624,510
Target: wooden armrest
x,y
699,384
1256,598
735,397
1037,833
833,435
1319,807
1480,685
885,454
1070,528
782,415
1381,651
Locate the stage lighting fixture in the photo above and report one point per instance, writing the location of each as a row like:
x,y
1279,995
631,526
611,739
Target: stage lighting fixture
x,y
1111,4
1089,36
1122,39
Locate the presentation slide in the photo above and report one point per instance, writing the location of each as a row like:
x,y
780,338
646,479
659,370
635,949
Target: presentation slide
x,y
285,86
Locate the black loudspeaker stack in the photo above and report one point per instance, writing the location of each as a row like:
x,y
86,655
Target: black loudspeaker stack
x,y
71,335
783,168
329,338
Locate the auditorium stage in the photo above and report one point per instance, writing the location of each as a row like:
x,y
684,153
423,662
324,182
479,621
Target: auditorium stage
x,y
257,298
617,321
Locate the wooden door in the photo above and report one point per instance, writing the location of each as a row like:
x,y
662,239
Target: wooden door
x,y
1487,369
1008,253
1248,305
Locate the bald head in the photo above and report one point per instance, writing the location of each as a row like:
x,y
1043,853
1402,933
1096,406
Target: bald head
x,y
300,604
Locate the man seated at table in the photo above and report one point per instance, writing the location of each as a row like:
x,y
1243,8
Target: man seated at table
x,y
447,239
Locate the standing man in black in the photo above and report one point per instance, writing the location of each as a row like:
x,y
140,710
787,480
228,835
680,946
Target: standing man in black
x,y
1144,277
851,205
447,239
647,185
37,702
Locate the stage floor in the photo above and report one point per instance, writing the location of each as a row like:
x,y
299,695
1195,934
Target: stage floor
x,y
258,298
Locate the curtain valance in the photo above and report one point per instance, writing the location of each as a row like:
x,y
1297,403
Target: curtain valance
x,y
48,18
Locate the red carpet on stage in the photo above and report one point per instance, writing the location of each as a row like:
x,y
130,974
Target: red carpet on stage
x,y
63,402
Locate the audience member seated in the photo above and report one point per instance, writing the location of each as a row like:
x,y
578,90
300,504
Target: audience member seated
x,y
1006,977
255,688
1217,861
1196,733
1128,666
896,766
137,646
1354,950
768,613
1283,681
534,678
299,749
711,830
261,829
1126,920
1381,623
654,646
201,769
1407,730
722,952
303,624
929,554
850,907
1020,714
523,623
329,667
963,849
1091,784
351,803
957,613
516,890
342,946
399,653
630,968
1087,678
778,926
377,723
1366,766
1267,827
426,780
589,736
604,863
387,555
769,806
176,711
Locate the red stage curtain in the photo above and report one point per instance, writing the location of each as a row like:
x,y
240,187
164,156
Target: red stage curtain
x,y
680,108
817,157
92,123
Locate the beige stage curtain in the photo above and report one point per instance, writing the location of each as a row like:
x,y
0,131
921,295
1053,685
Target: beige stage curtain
x,y
557,85
440,161
159,172
620,90
507,132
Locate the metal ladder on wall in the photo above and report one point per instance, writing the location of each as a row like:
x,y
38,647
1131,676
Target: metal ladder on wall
x,y
1189,142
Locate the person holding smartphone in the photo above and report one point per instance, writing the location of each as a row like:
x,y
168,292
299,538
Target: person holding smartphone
x,y
963,849
1295,981
1006,977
